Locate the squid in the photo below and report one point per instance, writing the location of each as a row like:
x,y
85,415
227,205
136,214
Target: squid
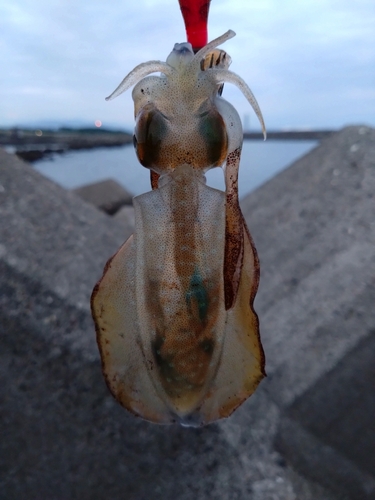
x,y
176,328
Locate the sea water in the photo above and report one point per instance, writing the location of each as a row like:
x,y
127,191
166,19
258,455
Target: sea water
x,y
260,161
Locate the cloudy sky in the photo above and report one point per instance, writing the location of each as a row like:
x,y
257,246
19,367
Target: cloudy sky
x,y
310,63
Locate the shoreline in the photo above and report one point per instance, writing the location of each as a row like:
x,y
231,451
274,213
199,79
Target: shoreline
x,y
290,135
32,145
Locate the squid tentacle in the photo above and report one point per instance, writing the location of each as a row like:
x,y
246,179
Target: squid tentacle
x,y
210,46
139,72
226,76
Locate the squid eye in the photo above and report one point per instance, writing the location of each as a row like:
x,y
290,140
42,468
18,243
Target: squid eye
x,y
213,132
151,129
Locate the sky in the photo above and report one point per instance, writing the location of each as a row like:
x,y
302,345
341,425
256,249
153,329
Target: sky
x,y
310,63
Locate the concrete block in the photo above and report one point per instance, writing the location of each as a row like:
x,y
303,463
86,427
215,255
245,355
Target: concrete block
x,y
107,195
314,227
63,435
126,215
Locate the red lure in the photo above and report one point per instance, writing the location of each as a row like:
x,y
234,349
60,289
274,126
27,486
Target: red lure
x,y
195,14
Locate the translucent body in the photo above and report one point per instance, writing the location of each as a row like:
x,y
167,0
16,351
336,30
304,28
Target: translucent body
x,y
175,323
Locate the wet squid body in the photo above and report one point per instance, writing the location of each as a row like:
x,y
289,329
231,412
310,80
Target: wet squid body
x,y
177,333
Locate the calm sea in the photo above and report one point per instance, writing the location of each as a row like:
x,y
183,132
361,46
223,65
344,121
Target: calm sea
x,y
259,162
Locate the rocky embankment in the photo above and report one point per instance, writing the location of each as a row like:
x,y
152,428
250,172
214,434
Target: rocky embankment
x,y
306,434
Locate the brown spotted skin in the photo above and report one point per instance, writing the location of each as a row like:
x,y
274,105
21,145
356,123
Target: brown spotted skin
x,y
183,354
253,292
183,288
161,146
154,179
233,230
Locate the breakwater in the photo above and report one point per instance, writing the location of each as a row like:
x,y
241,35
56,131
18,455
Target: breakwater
x,y
290,135
32,145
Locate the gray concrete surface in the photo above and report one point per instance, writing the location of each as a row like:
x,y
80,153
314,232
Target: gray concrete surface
x,y
63,436
314,226
126,215
107,195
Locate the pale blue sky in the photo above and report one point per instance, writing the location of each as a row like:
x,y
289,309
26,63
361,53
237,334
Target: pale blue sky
x,y
310,63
